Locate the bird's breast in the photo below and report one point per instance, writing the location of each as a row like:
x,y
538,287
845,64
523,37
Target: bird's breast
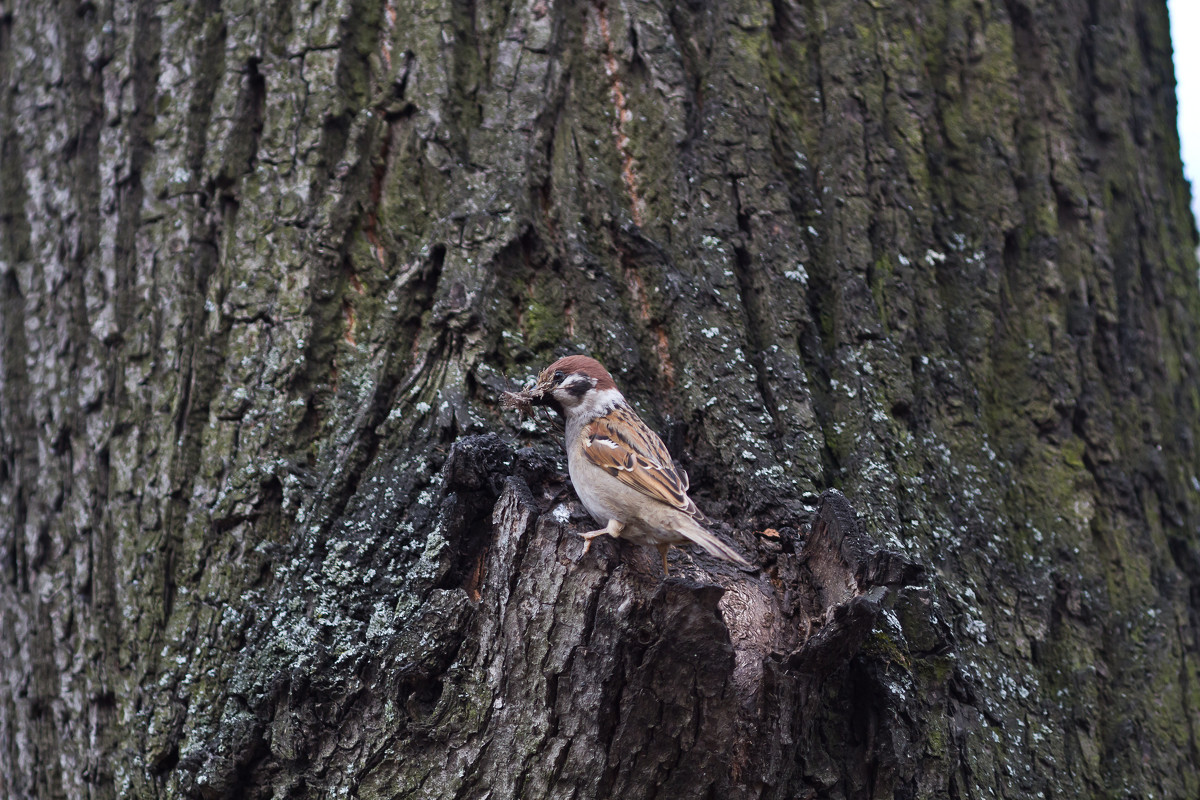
x,y
592,485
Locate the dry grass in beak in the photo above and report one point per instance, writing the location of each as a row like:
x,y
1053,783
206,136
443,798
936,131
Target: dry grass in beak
x,y
522,401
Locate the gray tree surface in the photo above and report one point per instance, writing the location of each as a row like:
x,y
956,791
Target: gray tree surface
x,y
909,288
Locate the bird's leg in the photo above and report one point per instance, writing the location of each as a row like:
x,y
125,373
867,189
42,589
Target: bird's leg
x,y
662,551
613,529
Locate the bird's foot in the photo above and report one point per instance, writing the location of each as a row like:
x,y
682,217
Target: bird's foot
x,y
613,529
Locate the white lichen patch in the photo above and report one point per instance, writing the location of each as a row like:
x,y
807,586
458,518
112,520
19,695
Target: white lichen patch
x,y
799,274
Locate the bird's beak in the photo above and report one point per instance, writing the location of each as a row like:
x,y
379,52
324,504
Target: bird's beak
x,y
540,395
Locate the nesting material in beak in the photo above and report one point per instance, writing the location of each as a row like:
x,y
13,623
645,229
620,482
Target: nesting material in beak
x,y
524,400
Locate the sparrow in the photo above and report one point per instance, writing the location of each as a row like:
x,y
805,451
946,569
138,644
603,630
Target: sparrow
x,y
620,468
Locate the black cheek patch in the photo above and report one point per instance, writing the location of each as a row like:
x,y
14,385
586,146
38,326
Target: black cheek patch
x,y
580,388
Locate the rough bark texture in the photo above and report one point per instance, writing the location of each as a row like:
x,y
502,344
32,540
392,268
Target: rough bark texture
x,y
264,268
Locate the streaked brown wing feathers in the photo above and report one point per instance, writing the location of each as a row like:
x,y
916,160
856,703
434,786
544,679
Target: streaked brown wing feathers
x,y
622,445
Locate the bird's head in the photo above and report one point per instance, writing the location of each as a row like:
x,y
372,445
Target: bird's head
x,y
572,383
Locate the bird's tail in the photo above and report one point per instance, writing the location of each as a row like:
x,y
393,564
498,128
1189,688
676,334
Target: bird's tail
x,y
710,542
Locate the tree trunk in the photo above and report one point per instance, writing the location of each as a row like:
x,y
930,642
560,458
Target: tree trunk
x,y
908,288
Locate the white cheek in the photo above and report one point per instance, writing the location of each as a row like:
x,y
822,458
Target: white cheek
x,y
565,398
598,403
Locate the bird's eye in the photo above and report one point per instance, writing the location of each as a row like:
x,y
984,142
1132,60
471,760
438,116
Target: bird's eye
x,y
558,376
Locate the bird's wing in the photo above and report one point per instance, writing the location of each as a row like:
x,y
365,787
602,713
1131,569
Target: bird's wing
x,y
622,445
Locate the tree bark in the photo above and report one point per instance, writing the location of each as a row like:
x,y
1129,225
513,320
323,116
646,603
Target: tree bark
x,y
908,288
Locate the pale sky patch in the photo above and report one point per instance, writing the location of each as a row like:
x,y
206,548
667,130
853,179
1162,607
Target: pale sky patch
x,y
1185,32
